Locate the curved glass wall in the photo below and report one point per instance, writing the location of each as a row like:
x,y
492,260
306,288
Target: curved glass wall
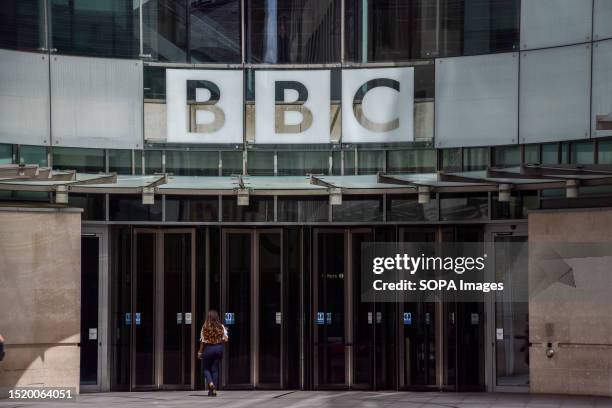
x,y
293,31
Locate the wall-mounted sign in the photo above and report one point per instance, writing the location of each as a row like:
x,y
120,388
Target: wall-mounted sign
x,y
204,106
187,318
292,106
230,318
320,318
407,318
377,105
93,333
137,319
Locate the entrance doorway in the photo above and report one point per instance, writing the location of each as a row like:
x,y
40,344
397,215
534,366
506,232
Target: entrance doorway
x,y
163,338
253,306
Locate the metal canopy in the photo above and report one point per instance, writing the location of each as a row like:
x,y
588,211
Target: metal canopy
x,y
527,177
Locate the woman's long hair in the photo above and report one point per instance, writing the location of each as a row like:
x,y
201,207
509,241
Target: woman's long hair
x,y
212,320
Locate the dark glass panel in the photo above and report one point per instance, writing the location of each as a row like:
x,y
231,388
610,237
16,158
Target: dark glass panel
x,y
358,209
303,209
465,206
164,29
260,209
302,163
396,30
33,155
407,208
475,158
184,163
120,161
507,156
231,163
124,207
189,208
293,31
81,160
106,28
520,202
143,314
411,161
260,163
22,24
90,254
93,205
370,161
214,31
583,153
6,154
469,27
451,160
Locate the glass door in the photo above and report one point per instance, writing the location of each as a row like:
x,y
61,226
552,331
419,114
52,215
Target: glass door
x,y
162,334
253,308
90,276
142,318
330,298
509,321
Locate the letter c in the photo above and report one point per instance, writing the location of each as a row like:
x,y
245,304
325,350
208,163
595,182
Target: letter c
x,y
358,105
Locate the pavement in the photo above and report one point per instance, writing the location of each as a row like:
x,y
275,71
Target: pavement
x,y
307,399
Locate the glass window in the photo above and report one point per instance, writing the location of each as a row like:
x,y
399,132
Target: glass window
x,y
532,153
550,153
154,82
120,161
260,163
22,24
33,155
520,202
507,156
107,28
407,208
231,163
183,163
164,29
303,209
126,207
6,154
451,160
583,153
153,161
81,160
300,163
464,206
395,30
565,153
604,152
93,205
214,31
371,161
411,161
288,31
469,27
192,208
358,209
475,158
260,209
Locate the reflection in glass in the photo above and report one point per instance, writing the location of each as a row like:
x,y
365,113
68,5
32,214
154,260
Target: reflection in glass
x,y
507,156
465,206
120,161
396,29
81,160
260,163
475,158
107,28
303,209
411,161
189,208
293,31
125,207
22,24
550,153
33,155
604,152
407,208
302,163
190,163
214,31
259,209
451,160
532,153
370,161
358,209
6,153
583,153
231,163
469,27
164,29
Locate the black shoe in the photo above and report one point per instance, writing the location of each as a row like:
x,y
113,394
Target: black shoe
x,y
211,390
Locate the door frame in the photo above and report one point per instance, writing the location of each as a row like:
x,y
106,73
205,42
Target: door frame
x,y
158,324
103,381
491,231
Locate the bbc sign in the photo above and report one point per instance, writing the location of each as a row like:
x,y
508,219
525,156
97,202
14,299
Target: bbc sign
x,y
291,107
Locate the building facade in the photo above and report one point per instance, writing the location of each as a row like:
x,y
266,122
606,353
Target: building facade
x,y
235,154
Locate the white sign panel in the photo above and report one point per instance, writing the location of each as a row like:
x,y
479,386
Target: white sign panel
x,y
204,106
292,106
93,333
377,105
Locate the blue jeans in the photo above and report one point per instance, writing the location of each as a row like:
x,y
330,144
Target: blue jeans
x,y
211,358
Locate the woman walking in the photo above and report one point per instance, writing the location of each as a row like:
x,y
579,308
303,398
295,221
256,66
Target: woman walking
x,y
212,337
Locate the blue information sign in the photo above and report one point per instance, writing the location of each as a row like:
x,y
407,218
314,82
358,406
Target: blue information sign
x,y
230,318
137,319
407,318
128,319
320,319
329,318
